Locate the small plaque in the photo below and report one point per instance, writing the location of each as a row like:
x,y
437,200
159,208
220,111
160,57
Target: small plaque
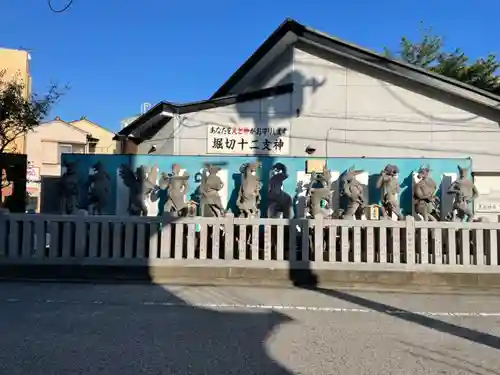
x,y
373,212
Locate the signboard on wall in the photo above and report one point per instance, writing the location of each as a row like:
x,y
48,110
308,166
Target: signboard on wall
x,y
253,140
32,174
488,202
488,207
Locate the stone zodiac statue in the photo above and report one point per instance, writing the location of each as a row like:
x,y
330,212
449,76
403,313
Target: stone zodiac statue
x,y
141,184
389,191
177,187
99,189
279,202
464,192
249,194
424,196
210,185
353,190
69,189
319,194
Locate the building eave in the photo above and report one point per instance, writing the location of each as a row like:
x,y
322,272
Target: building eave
x,y
164,111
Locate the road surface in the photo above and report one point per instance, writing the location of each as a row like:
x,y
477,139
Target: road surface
x,y
71,329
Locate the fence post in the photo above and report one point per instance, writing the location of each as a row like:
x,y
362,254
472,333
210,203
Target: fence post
x,y
319,226
80,233
410,240
228,223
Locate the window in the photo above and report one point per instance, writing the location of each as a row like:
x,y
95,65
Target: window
x,y
64,149
78,149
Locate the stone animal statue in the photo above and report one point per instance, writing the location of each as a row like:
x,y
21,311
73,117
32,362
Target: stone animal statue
x,y
141,184
99,189
464,192
353,190
389,191
249,193
210,186
177,187
319,194
69,189
279,202
426,204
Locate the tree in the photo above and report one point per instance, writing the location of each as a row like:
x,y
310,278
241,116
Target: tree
x,y
18,114
429,53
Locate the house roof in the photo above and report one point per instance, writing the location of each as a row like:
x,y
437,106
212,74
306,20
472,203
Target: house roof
x,y
291,31
84,118
68,124
162,112
72,126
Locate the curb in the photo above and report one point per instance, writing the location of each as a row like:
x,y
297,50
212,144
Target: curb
x,y
404,281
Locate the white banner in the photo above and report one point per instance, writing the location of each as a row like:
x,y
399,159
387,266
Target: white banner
x,y
253,140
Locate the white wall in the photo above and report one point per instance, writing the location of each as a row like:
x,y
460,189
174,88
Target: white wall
x,y
42,145
368,116
362,112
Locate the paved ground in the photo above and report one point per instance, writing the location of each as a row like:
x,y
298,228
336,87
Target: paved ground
x,y
71,329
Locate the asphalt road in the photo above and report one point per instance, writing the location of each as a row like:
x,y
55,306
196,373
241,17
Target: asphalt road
x,y
71,329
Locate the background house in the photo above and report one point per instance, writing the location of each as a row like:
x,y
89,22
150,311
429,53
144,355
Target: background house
x,y
46,144
104,143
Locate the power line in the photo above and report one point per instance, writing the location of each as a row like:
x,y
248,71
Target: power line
x,y
63,9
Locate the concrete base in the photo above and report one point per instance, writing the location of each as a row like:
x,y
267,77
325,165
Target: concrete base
x,y
375,280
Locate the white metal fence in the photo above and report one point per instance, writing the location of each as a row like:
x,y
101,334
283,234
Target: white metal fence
x,y
272,243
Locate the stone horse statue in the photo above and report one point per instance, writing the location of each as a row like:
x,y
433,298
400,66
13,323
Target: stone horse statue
x,y
69,189
353,190
177,187
280,203
426,204
319,194
464,192
389,191
99,189
141,184
210,186
249,194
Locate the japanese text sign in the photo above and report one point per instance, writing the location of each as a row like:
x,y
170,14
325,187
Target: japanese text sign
x,y
243,140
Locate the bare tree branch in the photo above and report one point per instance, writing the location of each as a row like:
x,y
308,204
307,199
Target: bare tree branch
x,y
19,114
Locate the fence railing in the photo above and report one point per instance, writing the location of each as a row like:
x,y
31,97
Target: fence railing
x,y
275,243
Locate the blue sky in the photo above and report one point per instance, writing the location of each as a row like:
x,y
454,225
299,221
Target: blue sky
x,y
117,54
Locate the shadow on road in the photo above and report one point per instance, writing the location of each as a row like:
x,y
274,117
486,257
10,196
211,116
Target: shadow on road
x,y
302,276
306,279
128,329
425,321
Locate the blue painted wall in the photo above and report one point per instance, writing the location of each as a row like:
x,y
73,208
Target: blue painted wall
x,y
85,163
193,164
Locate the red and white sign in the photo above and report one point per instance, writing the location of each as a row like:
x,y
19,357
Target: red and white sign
x,y
32,174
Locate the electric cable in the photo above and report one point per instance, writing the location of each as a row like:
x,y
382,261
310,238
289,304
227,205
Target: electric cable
x,y
63,9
